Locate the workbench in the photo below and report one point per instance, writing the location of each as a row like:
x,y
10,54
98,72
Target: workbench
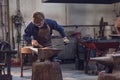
x,y
101,46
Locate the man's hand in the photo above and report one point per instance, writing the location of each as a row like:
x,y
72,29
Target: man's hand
x,y
35,43
66,40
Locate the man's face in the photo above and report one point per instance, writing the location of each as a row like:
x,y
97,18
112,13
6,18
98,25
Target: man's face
x,y
38,21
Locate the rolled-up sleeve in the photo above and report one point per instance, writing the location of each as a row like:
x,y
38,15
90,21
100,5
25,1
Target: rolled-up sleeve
x,y
58,28
27,35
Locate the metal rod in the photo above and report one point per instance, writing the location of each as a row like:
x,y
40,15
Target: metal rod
x,y
18,5
8,21
84,25
1,8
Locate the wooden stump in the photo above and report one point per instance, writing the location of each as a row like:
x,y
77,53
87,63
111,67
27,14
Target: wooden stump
x,y
46,71
105,76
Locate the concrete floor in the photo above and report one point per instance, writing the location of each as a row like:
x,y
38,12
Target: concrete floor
x,y
68,72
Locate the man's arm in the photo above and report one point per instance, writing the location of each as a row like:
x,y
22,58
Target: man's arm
x,y
27,34
55,26
60,29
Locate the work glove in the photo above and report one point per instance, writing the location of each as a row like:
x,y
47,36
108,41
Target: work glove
x,y
66,40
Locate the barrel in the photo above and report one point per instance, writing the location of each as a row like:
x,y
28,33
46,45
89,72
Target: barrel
x,y
46,71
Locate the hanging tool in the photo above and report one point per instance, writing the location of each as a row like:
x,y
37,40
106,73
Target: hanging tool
x,y
17,20
102,28
13,39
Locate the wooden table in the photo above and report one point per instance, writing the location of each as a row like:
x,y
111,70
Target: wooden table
x,y
8,75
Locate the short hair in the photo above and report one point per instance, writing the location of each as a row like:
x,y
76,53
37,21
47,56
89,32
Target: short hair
x,y
38,15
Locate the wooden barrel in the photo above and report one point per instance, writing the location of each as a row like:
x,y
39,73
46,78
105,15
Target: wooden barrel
x,y
46,71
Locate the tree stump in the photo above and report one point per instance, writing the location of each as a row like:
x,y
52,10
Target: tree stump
x,y
105,76
46,71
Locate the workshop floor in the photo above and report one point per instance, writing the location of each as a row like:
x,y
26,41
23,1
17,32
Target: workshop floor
x,y
68,72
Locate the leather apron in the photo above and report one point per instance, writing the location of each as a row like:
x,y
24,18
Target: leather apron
x,y
118,28
45,36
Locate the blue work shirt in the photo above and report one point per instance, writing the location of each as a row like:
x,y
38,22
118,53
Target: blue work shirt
x,y
32,30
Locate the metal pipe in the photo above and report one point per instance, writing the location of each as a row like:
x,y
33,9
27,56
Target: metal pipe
x,y
8,38
84,25
18,5
1,10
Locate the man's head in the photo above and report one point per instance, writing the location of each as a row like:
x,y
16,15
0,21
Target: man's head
x,y
38,18
117,22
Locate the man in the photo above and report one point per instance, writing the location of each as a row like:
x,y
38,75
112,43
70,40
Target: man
x,y
117,24
39,31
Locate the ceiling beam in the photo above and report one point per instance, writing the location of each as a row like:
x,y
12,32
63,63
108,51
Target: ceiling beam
x,y
82,1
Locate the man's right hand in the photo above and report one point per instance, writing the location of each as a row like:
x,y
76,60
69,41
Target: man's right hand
x,y
66,40
35,43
